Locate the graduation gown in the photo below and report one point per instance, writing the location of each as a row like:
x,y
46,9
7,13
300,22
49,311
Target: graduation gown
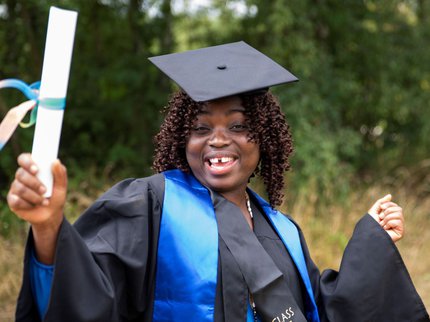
x,y
105,267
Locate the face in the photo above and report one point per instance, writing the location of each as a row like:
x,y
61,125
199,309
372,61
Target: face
x,y
218,150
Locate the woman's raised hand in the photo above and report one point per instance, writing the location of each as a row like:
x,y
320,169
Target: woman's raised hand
x,y
390,216
26,200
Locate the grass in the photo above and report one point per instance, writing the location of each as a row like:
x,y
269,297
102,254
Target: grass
x,y
327,232
11,255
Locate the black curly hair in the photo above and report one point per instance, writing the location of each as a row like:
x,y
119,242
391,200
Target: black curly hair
x,y
268,128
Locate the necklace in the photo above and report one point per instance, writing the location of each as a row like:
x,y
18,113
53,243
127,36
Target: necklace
x,y
248,205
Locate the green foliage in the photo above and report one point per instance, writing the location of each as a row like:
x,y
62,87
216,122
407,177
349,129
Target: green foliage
x,y
9,223
359,110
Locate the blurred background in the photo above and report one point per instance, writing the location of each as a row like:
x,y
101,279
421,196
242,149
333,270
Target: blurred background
x,y
359,115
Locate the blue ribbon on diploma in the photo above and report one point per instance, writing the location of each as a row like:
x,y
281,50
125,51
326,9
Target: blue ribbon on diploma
x,y
16,114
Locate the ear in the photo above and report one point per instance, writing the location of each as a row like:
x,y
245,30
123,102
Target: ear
x,y
256,171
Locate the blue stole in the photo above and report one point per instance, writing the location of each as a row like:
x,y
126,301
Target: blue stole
x,y
187,258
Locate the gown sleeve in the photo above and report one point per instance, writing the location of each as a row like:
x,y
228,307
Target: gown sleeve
x,y
104,264
372,285
40,281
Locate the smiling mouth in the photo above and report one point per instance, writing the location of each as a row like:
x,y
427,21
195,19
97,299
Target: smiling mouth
x,y
220,164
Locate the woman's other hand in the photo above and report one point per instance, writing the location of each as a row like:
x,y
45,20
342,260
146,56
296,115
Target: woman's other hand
x,y
390,216
26,200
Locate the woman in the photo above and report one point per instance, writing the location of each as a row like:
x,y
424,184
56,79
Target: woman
x,y
193,242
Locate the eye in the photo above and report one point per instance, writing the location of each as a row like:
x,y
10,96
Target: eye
x,y
239,127
201,129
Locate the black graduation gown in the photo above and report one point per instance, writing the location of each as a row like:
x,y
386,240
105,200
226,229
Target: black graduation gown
x,y
105,267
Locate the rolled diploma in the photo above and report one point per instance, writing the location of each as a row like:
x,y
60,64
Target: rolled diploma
x,y
54,81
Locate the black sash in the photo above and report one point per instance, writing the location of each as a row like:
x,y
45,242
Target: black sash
x,y
265,281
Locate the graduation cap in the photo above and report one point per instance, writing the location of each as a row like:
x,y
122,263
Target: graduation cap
x,y
219,71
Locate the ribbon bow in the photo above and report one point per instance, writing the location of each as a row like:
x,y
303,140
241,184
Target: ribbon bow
x,y
16,114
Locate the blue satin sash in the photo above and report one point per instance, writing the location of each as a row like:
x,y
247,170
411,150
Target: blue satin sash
x,y
186,276
187,259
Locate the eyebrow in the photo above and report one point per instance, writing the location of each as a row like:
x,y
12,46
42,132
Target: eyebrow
x,y
238,109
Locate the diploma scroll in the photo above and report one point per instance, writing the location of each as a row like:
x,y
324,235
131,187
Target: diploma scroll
x,y
53,89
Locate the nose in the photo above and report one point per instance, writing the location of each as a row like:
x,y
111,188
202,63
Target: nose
x,y
219,138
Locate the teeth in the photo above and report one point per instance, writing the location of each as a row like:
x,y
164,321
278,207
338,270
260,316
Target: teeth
x,y
220,160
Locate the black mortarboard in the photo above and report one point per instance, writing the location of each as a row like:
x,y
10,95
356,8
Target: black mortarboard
x,y
219,71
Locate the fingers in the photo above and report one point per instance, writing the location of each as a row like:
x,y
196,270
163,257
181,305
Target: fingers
x,y
387,204
26,162
26,193
59,172
376,208
28,179
390,210
26,190
395,228
391,219
16,203
385,198
59,190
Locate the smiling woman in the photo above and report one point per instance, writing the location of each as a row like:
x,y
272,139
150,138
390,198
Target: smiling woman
x,y
219,151
225,123
193,242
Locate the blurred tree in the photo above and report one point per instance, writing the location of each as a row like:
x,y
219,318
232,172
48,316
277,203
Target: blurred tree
x,y
358,112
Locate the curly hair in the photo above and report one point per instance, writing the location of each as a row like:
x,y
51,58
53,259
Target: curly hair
x,y
268,129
